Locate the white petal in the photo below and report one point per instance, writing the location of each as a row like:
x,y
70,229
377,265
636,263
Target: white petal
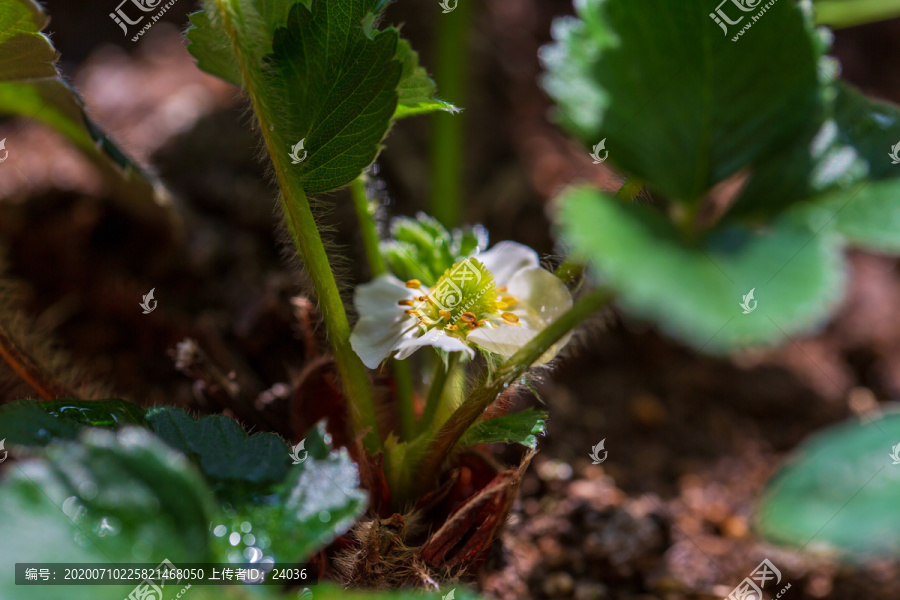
x,y
381,295
505,339
541,295
436,337
542,298
374,338
507,258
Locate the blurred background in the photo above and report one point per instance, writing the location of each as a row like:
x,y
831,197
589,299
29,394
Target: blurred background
x,y
691,439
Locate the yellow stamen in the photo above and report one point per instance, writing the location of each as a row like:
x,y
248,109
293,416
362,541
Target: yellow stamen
x,y
445,314
502,305
413,284
502,289
411,311
468,317
451,327
510,319
406,303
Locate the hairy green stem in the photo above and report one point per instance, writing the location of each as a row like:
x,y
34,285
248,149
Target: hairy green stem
x,y
367,227
630,189
307,240
513,368
447,174
848,13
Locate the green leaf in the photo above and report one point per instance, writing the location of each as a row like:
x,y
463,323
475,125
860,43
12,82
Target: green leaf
x,y
867,216
693,290
28,423
836,156
838,492
416,92
209,44
109,497
214,53
30,87
341,124
669,92
221,447
319,500
519,428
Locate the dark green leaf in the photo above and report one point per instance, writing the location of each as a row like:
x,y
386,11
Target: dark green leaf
x,y
110,497
837,155
694,290
839,492
669,91
29,423
416,90
211,47
520,428
342,123
221,447
320,500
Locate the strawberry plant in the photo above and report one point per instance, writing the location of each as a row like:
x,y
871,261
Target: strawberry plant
x,y
744,186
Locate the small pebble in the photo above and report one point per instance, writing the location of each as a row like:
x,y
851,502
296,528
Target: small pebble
x,y
591,591
558,584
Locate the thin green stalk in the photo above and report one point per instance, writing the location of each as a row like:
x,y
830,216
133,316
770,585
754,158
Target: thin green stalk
x,y
447,150
304,233
513,368
367,227
436,391
378,266
848,13
404,382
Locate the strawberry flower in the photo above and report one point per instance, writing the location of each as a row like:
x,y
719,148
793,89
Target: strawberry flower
x,y
496,301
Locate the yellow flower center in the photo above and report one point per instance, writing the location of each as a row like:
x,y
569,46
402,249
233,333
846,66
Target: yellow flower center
x,y
463,299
